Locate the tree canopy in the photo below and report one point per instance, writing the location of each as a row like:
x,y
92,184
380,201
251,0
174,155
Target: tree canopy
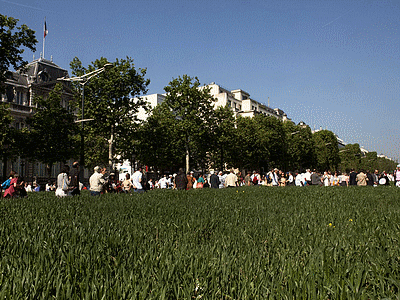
x,y
192,106
12,41
112,100
51,139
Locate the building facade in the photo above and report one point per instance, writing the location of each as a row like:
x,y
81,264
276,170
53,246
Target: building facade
x,y
238,100
21,87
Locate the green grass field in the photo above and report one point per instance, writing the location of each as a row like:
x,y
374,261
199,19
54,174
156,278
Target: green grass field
x,y
245,243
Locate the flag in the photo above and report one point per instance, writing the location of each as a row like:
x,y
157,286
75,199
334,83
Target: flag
x,y
46,32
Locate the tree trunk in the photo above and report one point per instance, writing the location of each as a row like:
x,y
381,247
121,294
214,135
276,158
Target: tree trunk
x,y
49,167
110,149
187,155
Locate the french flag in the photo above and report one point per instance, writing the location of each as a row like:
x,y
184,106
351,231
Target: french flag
x,y
46,32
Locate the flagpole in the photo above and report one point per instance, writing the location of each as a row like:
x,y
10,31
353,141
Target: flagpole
x,y
44,34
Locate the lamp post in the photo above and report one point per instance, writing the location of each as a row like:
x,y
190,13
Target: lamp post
x,y
82,80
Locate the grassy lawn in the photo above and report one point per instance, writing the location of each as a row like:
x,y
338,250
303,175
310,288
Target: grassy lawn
x,y
244,243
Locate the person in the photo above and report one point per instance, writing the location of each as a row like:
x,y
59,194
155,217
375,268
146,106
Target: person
x,y
254,178
231,179
111,184
396,175
200,182
307,177
74,179
28,187
282,178
316,179
12,189
170,181
163,182
353,177
96,181
63,182
299,181
344,180
376,177
335,179
383,179
290,179
48,186
190,180
221,177
206,184
275,177
36,187
151,184
214,180
370,178
137,181
326,178
21,187
247,179
127,184
180,180
6,184
361,178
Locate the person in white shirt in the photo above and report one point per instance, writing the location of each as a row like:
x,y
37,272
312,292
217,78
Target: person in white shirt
x,y
231,180
137,181
307,176
221,178
96,181
275,178
290,180
298,180
163,182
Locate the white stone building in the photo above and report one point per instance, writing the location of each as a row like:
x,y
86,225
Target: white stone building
x,y
238,100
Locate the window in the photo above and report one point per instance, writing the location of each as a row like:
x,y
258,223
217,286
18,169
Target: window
x,y
18,100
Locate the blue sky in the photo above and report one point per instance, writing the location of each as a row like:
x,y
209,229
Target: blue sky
x,y
330,63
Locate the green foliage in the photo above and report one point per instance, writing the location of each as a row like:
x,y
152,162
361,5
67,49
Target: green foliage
x,y
262,142
5,125
247,243
253,143
192,107
51,134
326,151
223,146
350,157
299,152
159,142
12,38
108,100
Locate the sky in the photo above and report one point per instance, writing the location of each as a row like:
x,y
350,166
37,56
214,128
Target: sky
x,y
333,64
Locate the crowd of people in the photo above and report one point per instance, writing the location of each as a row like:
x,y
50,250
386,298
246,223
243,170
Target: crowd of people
x,y
68,181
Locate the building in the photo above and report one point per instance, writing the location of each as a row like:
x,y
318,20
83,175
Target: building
x,y
37,79
238,100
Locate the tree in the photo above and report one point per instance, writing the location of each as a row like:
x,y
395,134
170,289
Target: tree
x,y
350,157
326,151
276,140
223,143
158,143
110,101
7,135
192,107
252,139
299,143
51,130
12,38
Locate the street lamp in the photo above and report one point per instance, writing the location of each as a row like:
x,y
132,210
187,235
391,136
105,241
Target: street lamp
x,y
82,80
